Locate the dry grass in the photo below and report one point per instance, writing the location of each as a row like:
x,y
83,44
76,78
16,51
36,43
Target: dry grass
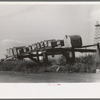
x,y
82,65
23,66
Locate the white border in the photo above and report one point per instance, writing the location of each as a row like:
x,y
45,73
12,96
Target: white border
x,y
43,90
75,90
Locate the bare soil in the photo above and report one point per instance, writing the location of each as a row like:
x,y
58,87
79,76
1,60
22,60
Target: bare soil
x,y
48,77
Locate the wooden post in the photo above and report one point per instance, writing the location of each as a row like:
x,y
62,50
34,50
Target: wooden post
x,y
35,60
98,53
73,56
66,55
45,58
37,55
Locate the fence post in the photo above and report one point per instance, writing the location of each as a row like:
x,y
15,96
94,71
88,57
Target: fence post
x,y
73,55
98,53
37,55
45,58
66,55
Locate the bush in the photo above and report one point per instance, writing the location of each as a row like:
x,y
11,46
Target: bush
x,y
23,66
85,64
82,65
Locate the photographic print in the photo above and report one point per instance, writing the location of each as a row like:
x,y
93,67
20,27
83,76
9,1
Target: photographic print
x,y
49,42
49,50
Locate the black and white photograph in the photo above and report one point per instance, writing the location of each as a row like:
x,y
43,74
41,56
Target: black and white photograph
x,y
49,42
49,49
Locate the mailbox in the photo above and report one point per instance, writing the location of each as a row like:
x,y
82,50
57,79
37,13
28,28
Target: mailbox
x,y
34,46
38,45
52,43
42,44
15,51
60,43
72,41
19,50
30,48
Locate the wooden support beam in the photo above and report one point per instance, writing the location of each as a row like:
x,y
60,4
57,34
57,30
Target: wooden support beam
x,y
45,58
39,63
37,55
67,57
88,46
84,50
56,50
73,56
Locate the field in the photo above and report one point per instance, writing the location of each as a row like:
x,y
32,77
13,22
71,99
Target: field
x,y
83,70
16,77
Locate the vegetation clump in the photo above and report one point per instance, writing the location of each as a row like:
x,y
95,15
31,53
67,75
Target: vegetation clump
x,y
85,64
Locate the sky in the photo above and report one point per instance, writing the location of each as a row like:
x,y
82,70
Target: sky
x,y
23,24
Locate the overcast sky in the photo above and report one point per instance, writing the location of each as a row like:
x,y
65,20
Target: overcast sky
x,y
25,24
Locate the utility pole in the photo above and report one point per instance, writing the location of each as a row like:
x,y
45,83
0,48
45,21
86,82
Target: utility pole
x,y
97,41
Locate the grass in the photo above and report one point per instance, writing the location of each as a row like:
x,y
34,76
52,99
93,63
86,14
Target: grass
x,y
22,66
85,64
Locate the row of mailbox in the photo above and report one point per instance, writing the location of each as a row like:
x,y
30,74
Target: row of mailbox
x,y
34,47
69,41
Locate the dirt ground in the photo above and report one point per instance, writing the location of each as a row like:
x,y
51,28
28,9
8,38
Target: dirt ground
x,y
63,77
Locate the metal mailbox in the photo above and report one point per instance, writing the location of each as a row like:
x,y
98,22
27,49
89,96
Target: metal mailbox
x,y
46,43
34,46
60,43
72,41
9,52
30,48
42,44
52,43
38,45
15,51
19,50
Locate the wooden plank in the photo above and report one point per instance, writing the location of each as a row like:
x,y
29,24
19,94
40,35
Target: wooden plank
x,y
70,50
81,49
88,46
85,50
